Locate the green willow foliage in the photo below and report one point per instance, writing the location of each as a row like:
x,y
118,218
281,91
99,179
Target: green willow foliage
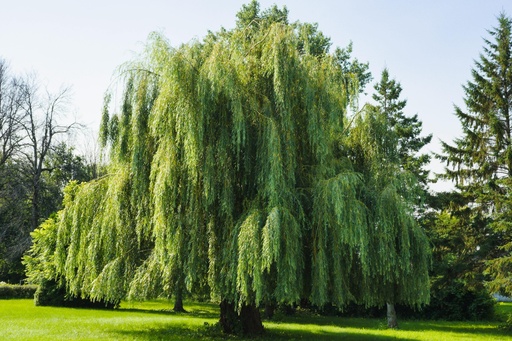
x,y
228,176
399,252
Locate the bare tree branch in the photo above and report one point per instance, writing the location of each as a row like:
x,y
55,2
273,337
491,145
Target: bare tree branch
x,y
10,114
42,131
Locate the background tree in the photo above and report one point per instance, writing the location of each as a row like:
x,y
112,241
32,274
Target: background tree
x,y
42,129
407,128
32,164
62,165
390,195
11,115
12,189
459,244
480,162
228,176
352,66
395,142
14,222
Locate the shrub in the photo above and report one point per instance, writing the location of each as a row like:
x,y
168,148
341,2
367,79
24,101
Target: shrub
x,y
455,302
452,302
508,323
50,293
14,291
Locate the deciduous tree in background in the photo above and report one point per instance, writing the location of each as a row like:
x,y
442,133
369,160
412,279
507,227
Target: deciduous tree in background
x,y
12,189
11,114
42,129
30,134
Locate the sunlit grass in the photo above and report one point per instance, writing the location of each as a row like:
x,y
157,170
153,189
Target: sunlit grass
x,y
154,320
21,320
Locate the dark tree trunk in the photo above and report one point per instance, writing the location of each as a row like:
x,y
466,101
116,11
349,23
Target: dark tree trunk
x,y
178,303
34,221
270,308
391,313
251,320
248,322
228,317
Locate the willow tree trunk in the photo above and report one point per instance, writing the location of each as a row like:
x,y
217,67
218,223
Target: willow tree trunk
x,y
246,322
270,308
391,314
178,303
178,299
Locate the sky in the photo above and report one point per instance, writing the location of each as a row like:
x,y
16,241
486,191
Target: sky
x,y
428,46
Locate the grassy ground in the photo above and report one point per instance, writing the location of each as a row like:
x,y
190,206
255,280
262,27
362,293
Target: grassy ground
x,y
21,320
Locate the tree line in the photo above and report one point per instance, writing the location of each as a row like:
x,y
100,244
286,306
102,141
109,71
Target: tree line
x,y
241,170
35,162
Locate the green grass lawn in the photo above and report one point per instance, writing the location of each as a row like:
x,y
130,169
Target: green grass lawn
x,y
21,320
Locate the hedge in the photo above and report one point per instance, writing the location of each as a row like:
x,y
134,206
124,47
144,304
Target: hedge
x,y
50,293
10,291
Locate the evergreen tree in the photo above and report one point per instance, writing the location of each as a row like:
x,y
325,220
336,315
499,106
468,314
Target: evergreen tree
x,y
480,162
353,66
228,176
460,240
407,128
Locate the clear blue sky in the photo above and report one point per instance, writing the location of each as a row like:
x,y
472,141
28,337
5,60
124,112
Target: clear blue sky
x,y
428,46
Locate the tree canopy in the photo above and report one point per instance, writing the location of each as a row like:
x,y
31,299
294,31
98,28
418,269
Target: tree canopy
x,y
232,174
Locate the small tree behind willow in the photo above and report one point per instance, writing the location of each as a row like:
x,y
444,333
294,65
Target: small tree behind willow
x,y
399,249
406,128
228,177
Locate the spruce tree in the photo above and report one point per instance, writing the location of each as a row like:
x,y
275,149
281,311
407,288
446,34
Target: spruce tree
x,y
407,128
480,161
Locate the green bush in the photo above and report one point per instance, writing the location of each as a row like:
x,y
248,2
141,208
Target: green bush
x,y
508,324
10,291
455,302
451,302
50,293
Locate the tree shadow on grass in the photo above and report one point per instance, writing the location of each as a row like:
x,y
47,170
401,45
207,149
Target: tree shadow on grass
x,y
287,332
198,310
169,312
168,332
173,332
301,326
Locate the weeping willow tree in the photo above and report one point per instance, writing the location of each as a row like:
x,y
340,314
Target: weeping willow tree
x,y
229,176
399,250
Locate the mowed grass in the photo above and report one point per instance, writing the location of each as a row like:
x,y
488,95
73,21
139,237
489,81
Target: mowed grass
x,y
153,320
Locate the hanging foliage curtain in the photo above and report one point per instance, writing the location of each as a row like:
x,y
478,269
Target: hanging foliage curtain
x,y
229,175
